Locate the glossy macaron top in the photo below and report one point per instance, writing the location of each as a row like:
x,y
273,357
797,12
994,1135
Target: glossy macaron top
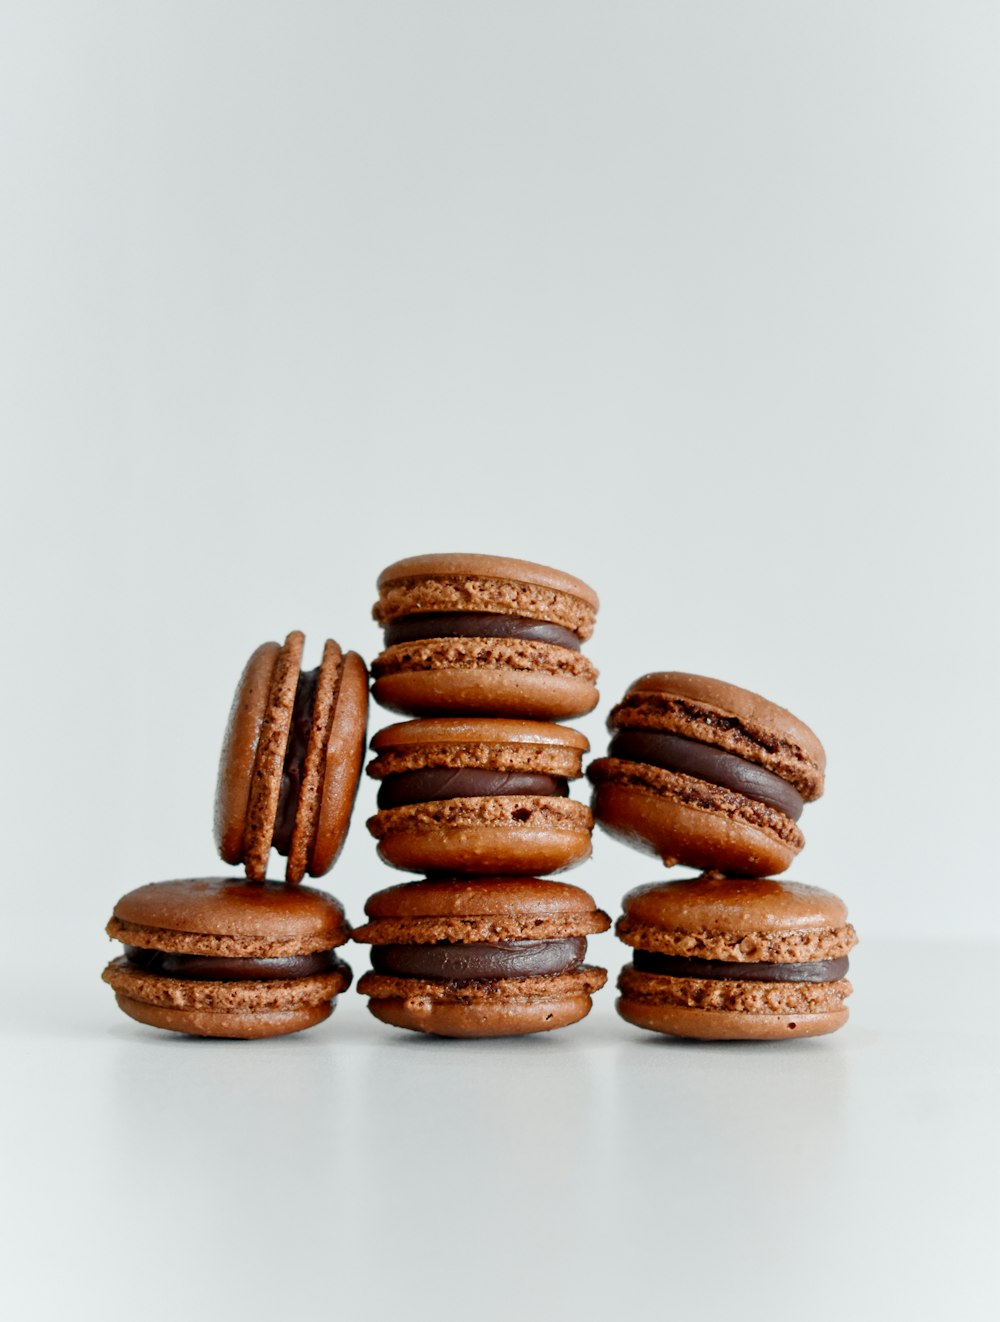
x,y
524,897
291,759
229,907
730,718
734,905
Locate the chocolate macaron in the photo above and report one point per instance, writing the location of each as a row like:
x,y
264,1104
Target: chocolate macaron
x,y
291,759
222,957
464,796
734,957
496,957
484,635
704,773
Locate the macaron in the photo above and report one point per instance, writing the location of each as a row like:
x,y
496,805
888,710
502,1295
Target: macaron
x,y
220,957
733,957
484,635
481,796
291,759
706,774
496,957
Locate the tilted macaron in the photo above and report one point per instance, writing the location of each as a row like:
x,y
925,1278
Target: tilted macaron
x,y
485,635
704,773
486,796
223,957
291,759
489,958
733,957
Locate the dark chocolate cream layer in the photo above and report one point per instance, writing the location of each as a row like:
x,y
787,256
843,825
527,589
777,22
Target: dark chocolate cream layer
x,y
673,752
217,968
479,960
432,783
725,970
295,759
477,624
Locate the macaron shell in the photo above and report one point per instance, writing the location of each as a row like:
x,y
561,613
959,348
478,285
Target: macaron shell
x,y
307,805
488,836
460,565
737,994
239,751
225,997
476,731
488,1019
266,787
737,906
489,686
697,837
526,898
230,917
243,1024
727,1025
345,753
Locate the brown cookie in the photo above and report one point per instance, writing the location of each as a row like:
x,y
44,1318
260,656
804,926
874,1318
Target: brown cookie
x,y
495,957
706,774
228,958
733,957
291,759
479,796
484,635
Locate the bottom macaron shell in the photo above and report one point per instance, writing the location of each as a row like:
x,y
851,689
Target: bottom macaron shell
x,y
492,1019
485,851
504,1007
678,833
498,692
489,836
225,1009
245,1024
727,1025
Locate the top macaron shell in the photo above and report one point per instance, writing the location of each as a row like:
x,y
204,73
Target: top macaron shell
x,y
261,744
736,918
686,816
485,675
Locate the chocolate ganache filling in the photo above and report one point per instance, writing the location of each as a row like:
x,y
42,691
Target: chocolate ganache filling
x,y
294,765
476,624
432,783
673,752
727,970
481,960
217,968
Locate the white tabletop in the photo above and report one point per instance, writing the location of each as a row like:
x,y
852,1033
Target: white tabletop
x,y
355,1171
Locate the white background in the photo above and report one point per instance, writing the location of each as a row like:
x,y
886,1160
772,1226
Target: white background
x,y
698,301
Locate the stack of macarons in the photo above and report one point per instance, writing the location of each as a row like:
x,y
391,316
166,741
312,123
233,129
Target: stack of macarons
x,y
484,652
483,655
247,957
715,777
